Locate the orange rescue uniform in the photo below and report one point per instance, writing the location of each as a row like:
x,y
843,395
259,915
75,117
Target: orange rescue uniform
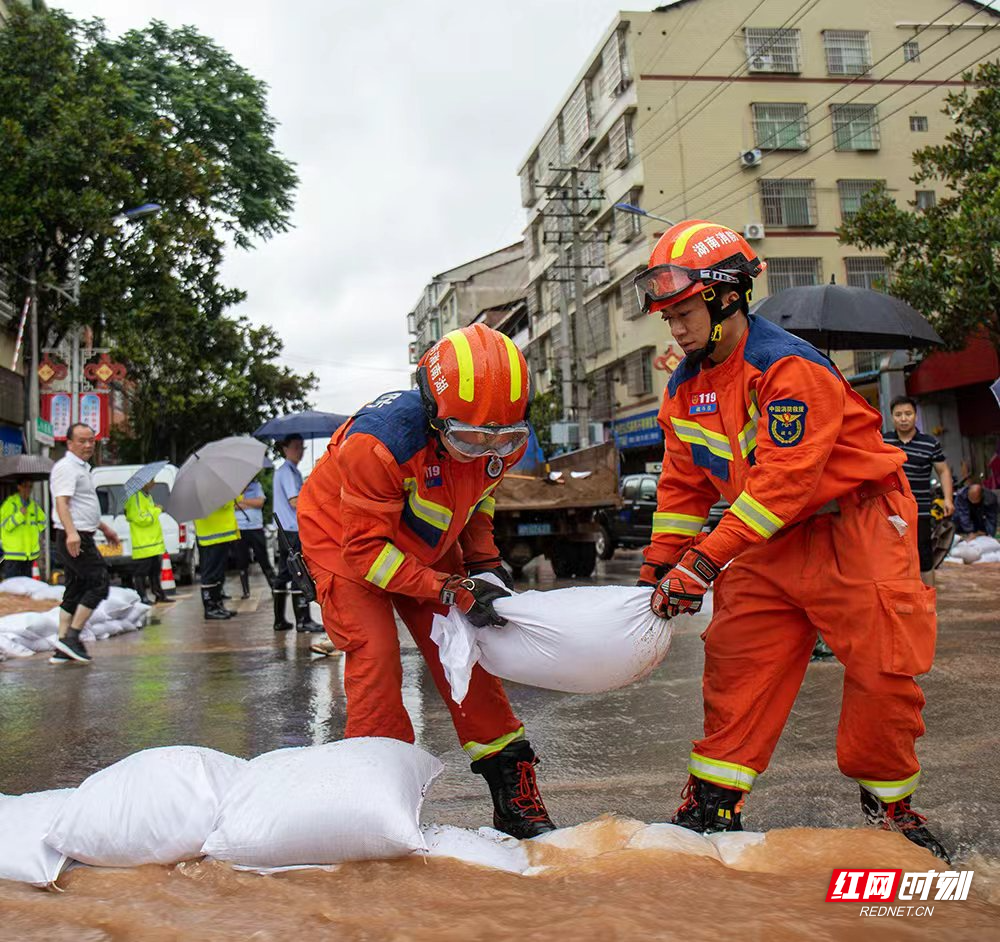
x,y
821,534
385,518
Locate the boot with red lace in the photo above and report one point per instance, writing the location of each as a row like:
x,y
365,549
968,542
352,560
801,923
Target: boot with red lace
x,y
517,805
899,816
708,807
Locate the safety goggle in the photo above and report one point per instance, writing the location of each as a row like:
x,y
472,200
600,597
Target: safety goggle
x,y
663,282
477,441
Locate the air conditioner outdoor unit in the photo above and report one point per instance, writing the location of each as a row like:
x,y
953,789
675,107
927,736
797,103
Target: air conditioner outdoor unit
x,y
751,158
753,231
762,63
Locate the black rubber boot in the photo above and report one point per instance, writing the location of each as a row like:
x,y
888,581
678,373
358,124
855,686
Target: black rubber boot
x,y
212,612
140,587
517,805
303,620
708,807
217,596
280,622
245,583
899,816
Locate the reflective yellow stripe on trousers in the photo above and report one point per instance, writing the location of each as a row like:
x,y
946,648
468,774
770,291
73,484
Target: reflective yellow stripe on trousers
x,y
677,524
481,750
727,774
892,791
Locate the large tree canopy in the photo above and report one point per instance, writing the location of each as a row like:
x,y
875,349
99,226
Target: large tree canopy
x,y
91,126
945,260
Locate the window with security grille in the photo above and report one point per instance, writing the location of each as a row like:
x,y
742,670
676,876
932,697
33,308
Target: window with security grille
x,y
852,194
918,123
615,75
855,127
792,273
773,50
7,308
594,259
868,271
926,199
528,185
629,299
639,372
848,51
911,51
596,333
780,126
601,389
550,153
620,141
576,121
788,202
628,225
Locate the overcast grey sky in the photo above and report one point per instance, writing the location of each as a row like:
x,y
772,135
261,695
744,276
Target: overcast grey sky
x,y
408,121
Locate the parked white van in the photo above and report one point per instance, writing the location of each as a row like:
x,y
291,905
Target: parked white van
x,y
178,537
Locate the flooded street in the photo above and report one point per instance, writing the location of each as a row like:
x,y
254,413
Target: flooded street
x,y
237,687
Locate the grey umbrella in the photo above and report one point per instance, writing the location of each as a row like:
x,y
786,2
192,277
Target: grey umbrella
x,y
142,477
215,474
19,467
838,317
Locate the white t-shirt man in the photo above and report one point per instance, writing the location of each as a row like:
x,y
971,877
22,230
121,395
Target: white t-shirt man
x,y
70,477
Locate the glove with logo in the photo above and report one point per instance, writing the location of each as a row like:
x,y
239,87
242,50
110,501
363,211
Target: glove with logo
x,y
680,591
474,598
493,566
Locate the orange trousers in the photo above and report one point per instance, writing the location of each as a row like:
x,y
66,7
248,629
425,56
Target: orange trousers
x,y
854,576
360,622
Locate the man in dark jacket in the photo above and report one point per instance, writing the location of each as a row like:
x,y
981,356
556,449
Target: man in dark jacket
x,y
975,512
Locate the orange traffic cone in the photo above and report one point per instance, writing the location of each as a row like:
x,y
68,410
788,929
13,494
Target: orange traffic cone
x,y
36,573
167,575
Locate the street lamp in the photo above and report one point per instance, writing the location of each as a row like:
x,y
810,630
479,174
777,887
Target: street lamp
x,y
636,211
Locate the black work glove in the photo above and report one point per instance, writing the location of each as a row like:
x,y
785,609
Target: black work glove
x,y
497,569
474,598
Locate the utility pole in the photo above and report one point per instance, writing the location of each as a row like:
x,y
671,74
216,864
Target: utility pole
x,y
576,249
32,428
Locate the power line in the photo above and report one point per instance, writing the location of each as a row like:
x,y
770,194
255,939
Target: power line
x,y
695,191
317,361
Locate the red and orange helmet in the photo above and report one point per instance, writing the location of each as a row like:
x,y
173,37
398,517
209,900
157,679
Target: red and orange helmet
x,y
691,258
475,386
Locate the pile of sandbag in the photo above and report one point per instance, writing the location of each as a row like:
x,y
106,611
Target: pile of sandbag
x,y
982,549
28,633
584,639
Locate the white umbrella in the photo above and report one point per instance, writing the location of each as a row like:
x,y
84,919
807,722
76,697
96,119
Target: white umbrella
x,y
215,474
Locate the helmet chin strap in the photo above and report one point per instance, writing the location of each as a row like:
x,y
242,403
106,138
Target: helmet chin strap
x,y
717,314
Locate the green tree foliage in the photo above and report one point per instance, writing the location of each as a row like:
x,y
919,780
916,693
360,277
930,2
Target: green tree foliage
x,y
945,260
547,408
91,126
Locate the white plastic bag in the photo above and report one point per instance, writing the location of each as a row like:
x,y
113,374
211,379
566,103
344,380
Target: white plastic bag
x,y
584,639
155,806
24,820
485,848
357,799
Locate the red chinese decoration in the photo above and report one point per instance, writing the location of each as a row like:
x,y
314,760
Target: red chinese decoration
x,y
50,369
104,371
669,360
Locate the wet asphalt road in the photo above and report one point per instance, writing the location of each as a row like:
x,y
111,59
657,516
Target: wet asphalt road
x,y
239,687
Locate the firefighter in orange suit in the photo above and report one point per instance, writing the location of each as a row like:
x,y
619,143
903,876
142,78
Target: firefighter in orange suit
x,y
398,514
820,534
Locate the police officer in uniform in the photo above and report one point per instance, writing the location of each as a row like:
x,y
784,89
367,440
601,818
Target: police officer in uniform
x,y
215,533
21,522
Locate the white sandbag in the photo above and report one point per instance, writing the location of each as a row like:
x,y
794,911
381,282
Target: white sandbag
x,y
16,623
24,821
12,647
731,845
155,806
485,848
118,602
357,799
989,558
584,639
985,544
966,552
673,838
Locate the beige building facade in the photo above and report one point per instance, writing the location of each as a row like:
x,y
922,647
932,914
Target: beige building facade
x,y
774,119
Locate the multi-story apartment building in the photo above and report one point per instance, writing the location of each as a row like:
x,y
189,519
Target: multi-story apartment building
x,y
774,118
456,297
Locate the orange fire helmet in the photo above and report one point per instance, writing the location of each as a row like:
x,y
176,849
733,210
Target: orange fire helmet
x,y
475,377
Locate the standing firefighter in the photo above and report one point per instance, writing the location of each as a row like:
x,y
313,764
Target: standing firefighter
x,y
21,523
820,534
398,515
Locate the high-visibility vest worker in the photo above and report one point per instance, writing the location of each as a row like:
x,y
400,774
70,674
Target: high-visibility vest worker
x,y
21,523
214,533
143,516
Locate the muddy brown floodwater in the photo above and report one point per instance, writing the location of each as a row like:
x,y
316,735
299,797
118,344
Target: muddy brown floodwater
x,y
596,887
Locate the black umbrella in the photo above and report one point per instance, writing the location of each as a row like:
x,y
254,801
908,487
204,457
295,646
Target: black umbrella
x,y
836,317
308,424
21,467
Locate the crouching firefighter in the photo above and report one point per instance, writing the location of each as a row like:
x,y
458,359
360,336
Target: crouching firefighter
x,y
820,535
398,515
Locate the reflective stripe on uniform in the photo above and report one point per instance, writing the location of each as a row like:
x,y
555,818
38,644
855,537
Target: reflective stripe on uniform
x,y
466,366
748,436
513,355
727,774
208,538
385,566
435,514
682,240
679,524
481,750
695,434
17,557
756,516
478,505
487,506
891,791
